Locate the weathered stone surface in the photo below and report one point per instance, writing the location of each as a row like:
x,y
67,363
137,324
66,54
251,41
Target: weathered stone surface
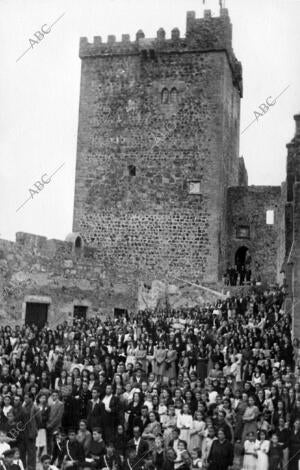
x,y
247,206
155,116
148,225
32,273
174,296
292,228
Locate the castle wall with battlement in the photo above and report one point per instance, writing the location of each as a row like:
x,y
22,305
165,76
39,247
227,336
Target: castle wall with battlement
x,y
38,270
158,142
205,34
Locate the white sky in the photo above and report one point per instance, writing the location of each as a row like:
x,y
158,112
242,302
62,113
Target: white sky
x,y
39,94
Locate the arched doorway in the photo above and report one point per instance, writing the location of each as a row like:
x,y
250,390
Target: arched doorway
x,y
78,242
241,256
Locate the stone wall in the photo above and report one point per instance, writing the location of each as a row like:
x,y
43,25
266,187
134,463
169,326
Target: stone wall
x,y
174,295
294,259
247,207
156,115
243,174
292,229
281,229
34,269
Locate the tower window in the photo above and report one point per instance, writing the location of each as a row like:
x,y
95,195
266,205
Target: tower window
x,y
165,96
243,231
270,217
78,242
173,96
131,170
194,187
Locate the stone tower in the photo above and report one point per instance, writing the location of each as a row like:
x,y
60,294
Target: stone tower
x,y
291,238
158,144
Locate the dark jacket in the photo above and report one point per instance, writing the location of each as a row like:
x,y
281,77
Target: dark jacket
x,y
220,456
30,424
75,451
141,451
94,414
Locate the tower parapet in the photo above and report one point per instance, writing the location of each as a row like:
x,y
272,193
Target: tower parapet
x,y
202,34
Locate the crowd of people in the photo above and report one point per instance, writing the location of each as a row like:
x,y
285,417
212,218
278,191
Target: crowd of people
x,y
213,387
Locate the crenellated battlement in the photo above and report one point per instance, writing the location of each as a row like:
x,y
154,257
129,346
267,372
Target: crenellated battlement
x,y
209,31
202,34
206,32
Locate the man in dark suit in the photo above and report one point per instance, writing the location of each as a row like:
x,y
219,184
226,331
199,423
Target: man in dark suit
x,y
175,440
143,420
85,396
30,431
138,378
74,452
110,410
140,446
94,410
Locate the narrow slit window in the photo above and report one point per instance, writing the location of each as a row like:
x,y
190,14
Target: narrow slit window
x,y
270,217
131,170
173,96
165,96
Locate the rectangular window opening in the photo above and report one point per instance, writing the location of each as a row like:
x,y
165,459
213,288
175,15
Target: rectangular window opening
x,y
194,187
243,231
270,217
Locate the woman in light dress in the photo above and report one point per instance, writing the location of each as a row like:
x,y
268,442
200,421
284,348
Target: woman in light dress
x,y
152,430
250,419
250,454
185,424
141,355
171,362
130,353
42,416
160,354
197,431
169,424
262,448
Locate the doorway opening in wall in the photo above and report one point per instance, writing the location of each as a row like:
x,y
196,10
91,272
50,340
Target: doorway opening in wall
x,y
79,312
240,257
119,312
36,314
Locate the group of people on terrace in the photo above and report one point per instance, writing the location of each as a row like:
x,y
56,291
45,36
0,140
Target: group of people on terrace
x,y
213,387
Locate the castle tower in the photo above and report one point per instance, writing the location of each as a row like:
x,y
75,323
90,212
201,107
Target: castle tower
x,y
158,144
292,229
